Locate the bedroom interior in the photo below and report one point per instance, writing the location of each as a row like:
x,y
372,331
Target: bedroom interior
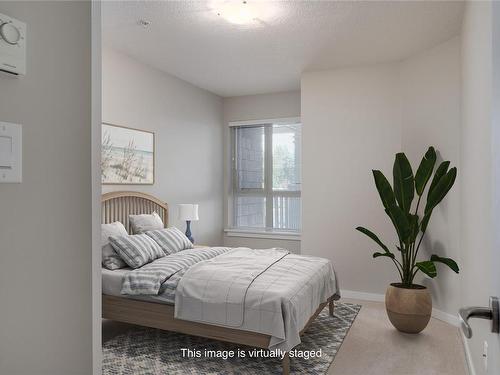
x,y
196,176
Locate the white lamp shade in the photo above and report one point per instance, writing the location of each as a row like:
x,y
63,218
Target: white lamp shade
x,y
188,212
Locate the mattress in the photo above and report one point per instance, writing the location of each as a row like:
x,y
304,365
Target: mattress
x,y
112,285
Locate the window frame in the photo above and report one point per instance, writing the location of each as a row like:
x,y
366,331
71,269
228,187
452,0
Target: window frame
x,y
267,191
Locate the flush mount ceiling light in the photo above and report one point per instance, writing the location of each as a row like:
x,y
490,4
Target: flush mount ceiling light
x,y
244,12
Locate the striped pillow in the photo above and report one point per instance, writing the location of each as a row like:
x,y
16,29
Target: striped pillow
x,y
110,259
171,240
136,250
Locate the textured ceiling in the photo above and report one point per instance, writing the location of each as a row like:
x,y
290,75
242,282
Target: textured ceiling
x,y
189,40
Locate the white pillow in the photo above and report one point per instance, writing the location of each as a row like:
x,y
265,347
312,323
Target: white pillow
x,y
110,259
171,240
136,250
143,223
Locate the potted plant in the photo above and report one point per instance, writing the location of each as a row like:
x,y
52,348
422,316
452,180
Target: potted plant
x,y
409,305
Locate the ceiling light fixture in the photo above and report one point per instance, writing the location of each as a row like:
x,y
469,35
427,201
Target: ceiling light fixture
x,y
243,12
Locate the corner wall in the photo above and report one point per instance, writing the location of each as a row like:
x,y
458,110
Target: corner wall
x,y
355,120
187,122
351,124
431,92
45,225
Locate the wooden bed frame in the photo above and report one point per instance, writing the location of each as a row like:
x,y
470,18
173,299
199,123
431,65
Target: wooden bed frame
x,y
116,206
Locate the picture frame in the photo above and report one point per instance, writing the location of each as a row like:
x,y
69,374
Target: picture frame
x,y
127,155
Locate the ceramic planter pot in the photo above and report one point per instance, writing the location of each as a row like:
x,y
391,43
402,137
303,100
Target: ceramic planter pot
x,y
409,309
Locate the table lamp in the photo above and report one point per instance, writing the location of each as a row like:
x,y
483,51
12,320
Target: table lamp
x,y
188,212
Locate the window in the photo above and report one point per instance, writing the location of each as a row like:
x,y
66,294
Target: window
x,y
266,176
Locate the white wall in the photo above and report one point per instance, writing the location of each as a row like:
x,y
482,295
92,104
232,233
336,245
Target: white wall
x,y
431,92
45,225
351,124
476,168
256,107
187,122
355,120
263,106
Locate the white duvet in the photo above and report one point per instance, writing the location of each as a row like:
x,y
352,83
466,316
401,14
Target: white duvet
x,y
267,291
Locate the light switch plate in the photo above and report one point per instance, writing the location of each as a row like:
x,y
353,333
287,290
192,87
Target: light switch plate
x,y
11,153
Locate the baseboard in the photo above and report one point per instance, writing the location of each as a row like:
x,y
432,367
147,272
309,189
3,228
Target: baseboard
x,y
446,317
468,355
362,295
375,297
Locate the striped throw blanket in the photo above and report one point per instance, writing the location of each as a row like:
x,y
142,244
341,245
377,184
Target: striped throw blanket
x,y
151,278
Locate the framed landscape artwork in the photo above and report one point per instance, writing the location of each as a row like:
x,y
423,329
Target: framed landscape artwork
x,y
128,156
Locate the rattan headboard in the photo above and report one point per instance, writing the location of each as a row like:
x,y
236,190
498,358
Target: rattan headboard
x,y
117,205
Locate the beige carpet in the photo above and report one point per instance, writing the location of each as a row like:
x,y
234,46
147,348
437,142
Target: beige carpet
x,y
374,347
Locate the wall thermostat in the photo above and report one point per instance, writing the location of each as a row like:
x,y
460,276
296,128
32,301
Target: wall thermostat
x,y
11,152
12,45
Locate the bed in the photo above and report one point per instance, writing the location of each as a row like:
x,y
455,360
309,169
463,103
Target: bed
x,y
158,312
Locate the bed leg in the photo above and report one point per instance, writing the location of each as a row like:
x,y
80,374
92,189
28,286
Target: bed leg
x,y
285,364
330,306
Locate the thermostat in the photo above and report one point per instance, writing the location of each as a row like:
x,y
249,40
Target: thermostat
x,y
10,152
12,45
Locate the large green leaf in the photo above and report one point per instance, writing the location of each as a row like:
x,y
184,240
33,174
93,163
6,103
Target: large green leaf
x,y
441,189
440,172
390,255
404,188
414,227
400,222
425,221
448,261
424,171
427,267
384,189
374,237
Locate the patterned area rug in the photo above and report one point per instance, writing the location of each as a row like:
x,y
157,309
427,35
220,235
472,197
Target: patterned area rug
x,y
147,351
